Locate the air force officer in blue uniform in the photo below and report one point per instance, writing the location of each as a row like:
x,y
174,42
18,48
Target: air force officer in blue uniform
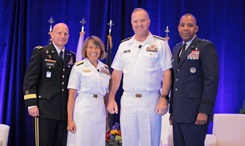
x,y
196,75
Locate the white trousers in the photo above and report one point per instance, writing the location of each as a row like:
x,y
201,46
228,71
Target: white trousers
x,y
140,124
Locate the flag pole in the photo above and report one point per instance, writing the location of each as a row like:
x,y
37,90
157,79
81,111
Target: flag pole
x,y
51,21
108,62
80,42
109,45
167,31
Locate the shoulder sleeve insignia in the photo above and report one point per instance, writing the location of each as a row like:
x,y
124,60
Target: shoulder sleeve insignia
x,y
79,63
126,39
158,37
39,47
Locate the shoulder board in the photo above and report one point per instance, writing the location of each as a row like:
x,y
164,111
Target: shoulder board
x,y
72,52
39,47
158,37
79,63
126,39
106,66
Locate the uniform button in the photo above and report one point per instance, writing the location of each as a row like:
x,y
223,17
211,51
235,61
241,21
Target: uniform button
x,y
49,67
63,90
176,89
64,69
63,76
177,69
63,83
176,79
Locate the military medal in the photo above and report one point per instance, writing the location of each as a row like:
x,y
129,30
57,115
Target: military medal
x,y
194,55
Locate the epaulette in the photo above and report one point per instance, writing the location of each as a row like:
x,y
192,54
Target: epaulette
x,y
79,63
38,47
158,37
126,39
106,66
72,52
204,40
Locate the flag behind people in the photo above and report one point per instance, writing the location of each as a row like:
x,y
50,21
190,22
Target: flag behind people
x,y
79,47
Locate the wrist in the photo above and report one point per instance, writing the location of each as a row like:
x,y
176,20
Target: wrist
x,y
165,96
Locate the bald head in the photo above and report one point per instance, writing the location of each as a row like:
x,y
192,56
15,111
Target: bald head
x,y
187,27
60,35
189,16
140,9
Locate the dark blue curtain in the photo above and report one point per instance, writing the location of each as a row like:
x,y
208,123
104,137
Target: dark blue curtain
x,y
24,24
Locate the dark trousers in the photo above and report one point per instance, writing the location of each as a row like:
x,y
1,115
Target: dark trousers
x,y
188,134
52,132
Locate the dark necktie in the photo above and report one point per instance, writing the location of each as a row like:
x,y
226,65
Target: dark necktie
x,y
61,56
182,51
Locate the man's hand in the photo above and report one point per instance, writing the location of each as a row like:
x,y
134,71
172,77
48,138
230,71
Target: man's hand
x,y
162,106
202,119
112,106
33,111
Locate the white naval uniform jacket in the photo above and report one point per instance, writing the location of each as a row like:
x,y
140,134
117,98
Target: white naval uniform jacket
x,y
142,64
90,80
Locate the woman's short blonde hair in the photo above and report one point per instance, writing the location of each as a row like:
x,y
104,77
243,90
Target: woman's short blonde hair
x,y
98,42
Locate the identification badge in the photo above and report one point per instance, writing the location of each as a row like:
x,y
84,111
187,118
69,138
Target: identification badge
x,y
48,74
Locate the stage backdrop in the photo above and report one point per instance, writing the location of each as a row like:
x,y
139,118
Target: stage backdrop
x,y
24,24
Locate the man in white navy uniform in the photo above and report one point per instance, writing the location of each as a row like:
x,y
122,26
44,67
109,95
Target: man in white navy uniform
x,y
145,62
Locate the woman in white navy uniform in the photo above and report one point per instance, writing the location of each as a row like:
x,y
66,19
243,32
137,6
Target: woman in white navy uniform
x,y
88,87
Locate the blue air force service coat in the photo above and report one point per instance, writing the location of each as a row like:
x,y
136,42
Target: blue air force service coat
x,y
195,84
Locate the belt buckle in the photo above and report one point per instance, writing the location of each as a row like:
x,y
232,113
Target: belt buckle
x,y
95,96
138,95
